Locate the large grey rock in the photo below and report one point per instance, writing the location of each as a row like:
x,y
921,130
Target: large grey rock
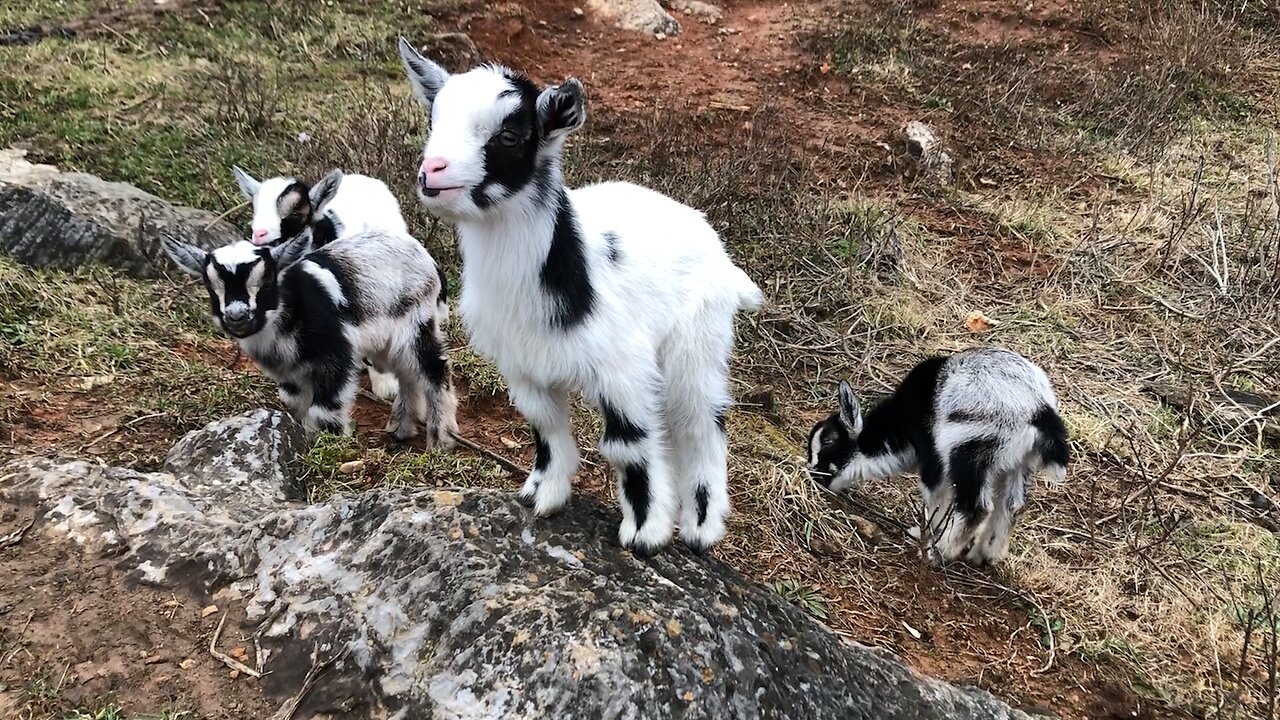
x,y
645,16
458,604
63,220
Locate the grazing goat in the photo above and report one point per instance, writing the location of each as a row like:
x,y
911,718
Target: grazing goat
x,y
306,318
612,290
337,206
976,425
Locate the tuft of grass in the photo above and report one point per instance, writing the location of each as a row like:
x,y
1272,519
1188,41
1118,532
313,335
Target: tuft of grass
x,y
806,597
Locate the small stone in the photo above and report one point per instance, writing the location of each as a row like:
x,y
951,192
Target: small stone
x,y
208,610
233,674
673,628
153,659
351,467
577,12
239,653
187,663
659,36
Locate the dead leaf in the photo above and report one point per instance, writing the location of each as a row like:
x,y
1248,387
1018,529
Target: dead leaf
x,y
978,322
233,674
239,653
153,660
914,632
187,664
673,628
824,68
208,611
93,381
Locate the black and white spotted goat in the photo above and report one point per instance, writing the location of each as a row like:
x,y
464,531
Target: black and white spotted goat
x,y
612,290
338,206
307,317
975,425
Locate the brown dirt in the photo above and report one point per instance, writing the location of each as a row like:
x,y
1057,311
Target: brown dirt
x,y
73,633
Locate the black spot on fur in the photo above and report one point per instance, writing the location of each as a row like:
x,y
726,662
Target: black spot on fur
x,y
964,416
316,325
611,247
444,284
722,419
700,497
902,421
618,428
432,356
326,230
541,451
355,308
1052,443
970,463
290,388
294,206
511,165
635,485
403,306
565,275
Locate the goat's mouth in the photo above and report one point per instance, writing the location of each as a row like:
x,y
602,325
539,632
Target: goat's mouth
x,y
432,192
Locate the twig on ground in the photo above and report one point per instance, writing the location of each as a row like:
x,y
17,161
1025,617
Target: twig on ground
x,y
16,536
225,658
287,710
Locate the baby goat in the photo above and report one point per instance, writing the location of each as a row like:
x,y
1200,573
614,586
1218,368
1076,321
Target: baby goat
x,y
306,319
612,290
976,425
338,206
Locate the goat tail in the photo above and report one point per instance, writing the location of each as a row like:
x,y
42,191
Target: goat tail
x,y
1051,443
749,295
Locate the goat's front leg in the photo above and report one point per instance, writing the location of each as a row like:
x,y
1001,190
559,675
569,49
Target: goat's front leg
x,y
294,400
333,394
555,458
633,444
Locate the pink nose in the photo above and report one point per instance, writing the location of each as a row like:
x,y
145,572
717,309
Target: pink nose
x,y
259,236
434,165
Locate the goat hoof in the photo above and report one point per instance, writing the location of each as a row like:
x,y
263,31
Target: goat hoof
x,y
697,548
645,551
526,499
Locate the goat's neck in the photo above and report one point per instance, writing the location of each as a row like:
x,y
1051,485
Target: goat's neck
x,y
512,244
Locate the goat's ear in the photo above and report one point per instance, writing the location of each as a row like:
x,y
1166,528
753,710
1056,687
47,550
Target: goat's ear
x,y
562,109
248,186
425,76
290,252
187,257
323,191
850,410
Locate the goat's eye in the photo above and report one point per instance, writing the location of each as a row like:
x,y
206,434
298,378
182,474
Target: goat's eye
x,y
508,138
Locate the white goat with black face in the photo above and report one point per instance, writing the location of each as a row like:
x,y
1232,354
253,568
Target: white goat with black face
x,y
975,425
306,318
612,290
338,206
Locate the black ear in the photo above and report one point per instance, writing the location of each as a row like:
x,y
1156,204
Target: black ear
x,y
291,251
850,410
425,77
562,109
187,257
323,191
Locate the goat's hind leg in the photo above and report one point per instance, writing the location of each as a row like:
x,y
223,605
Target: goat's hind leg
x,y
633,445
697,400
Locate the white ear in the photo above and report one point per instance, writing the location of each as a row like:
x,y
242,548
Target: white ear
x,y
248,186
291,251
850,410
425,76
562,109
324,191
187,257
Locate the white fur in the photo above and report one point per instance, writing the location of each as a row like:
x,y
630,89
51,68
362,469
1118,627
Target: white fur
x,y
656,345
